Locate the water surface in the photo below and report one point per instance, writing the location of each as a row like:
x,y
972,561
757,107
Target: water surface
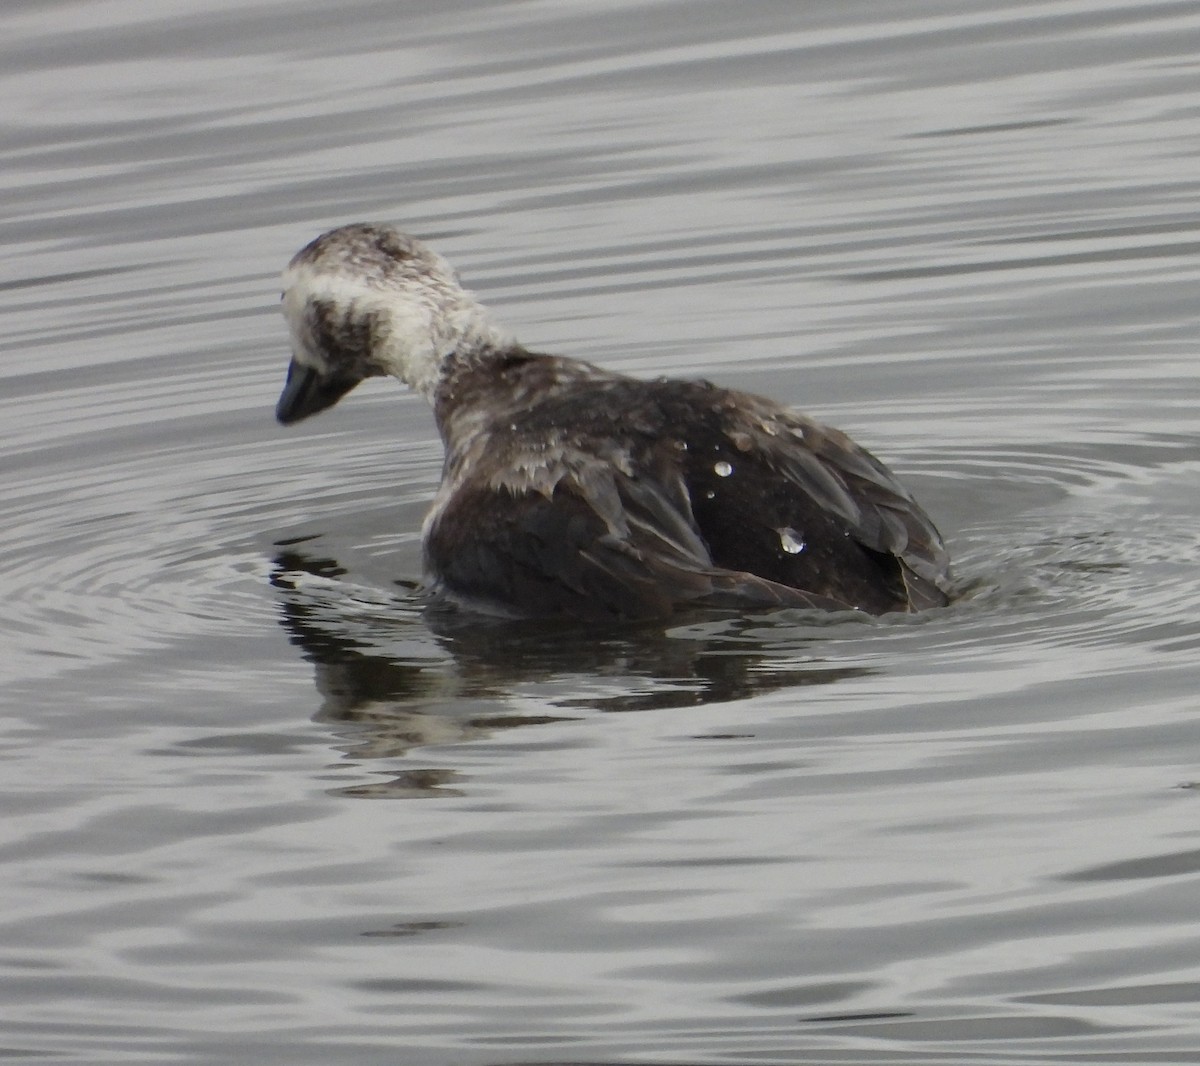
x,y
261,808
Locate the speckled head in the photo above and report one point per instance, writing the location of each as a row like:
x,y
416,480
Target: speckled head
x,y
365,300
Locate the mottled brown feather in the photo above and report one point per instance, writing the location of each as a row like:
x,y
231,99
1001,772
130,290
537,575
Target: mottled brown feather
x,y
571,490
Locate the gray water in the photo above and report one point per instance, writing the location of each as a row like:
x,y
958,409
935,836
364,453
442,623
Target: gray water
x,y
257,810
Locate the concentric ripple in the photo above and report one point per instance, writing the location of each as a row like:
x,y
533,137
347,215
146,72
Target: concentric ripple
x,y
966,234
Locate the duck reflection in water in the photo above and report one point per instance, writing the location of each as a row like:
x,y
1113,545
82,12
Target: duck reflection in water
x,y
393,677
572,492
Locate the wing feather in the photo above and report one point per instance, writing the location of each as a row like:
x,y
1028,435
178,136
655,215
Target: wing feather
x,y
614,498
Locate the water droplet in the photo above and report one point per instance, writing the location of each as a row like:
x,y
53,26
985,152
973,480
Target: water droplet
x,y
722,469
791,541
710,495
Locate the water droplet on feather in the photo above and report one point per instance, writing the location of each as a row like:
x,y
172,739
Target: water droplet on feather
x,y
791,541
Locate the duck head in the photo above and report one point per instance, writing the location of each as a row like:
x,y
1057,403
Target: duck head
x,y
366,300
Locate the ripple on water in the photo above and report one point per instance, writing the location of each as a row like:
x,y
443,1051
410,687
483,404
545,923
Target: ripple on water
x,y
1111,566
967,236
101,571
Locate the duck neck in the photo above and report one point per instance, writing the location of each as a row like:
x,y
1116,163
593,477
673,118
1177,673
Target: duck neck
x,y
434,348
470,391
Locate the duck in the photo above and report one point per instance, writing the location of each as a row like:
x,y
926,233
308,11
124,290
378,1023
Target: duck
x,y
569,491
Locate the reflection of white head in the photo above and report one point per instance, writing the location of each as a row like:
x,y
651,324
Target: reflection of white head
x,y
365,300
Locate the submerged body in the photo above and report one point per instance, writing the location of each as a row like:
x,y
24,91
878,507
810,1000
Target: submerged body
x,y
570,491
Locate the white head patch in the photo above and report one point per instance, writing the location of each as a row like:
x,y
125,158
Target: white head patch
x,y
366,299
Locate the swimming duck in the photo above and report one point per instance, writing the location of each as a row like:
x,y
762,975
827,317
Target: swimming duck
x,y
571,491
